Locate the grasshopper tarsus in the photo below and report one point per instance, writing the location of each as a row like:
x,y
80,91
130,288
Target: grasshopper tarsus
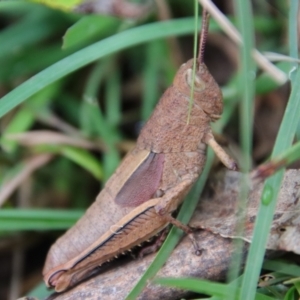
x,y
191,235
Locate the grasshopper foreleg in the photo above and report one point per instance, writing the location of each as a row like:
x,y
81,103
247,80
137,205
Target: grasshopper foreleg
x,y
219,151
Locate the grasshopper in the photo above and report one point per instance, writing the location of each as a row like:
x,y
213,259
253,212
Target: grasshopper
x,y
138,200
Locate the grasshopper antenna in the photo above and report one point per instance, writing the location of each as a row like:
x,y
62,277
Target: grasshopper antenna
x,y
203,37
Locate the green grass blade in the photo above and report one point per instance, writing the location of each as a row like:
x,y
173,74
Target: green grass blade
x,y
286,158
291,155
92,121
28,31
90,54
79,156
196,285
84,159
246,92
245,21
282,267
270,192
113,98
90,27
112,118
40,292
218,290
151,77
37,219
293,34
15,7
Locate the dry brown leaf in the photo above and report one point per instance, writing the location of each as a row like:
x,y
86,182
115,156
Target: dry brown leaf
x,y
217,213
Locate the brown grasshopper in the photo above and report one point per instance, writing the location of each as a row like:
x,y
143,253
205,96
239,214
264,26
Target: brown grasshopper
x,y
138,200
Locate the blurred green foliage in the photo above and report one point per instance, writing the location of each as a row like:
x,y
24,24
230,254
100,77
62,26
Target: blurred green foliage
x,y
93,80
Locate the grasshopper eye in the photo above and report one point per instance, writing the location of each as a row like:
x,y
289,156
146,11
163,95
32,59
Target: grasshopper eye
x,y
199,85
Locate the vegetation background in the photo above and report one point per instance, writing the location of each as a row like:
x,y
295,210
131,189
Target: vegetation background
x,y
76,89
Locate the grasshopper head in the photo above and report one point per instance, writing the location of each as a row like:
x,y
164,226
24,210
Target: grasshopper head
x,y
207,94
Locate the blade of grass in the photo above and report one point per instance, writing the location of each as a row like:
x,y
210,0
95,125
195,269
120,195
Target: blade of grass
x,y
40,292
28,31
94,80
15,7
20,122
91,53
37,219
112,119
88,28
283,160
218,290
113,98
197,286
272,185
79,156
293,34
246,92
245,20
29,61
151,78
282,267
24,118
291,294
92,120
84,159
